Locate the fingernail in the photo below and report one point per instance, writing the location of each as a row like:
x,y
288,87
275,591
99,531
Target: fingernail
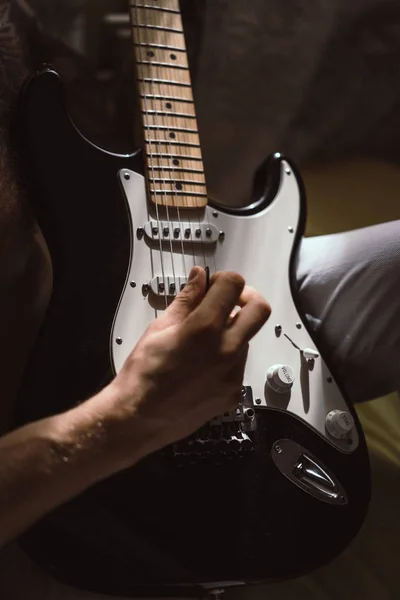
x,y
193,273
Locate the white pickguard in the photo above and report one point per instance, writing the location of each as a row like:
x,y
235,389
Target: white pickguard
x,y
259,248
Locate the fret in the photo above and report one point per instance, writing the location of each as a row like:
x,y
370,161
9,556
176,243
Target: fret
x,y
158,27
163,115
164,91
170,22
158,136
173,146
164,38
162,46
155,56
169,149
163,5
183,201
153,7
163,75
163,81
176,174
162,192
170,65
173,181
158,97
151,124
158,106
165,164
154,143
172,155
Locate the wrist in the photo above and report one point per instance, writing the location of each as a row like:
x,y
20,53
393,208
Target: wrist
x,y
103,435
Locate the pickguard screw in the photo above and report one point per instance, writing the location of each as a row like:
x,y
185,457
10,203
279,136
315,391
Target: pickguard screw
x,y
278,330
119,341
140,232
127,176
215,213
329,379
288,171
298,325
221,235
258,400
278,449
290,229
133,284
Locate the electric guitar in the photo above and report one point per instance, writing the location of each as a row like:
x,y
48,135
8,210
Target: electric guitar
x,y
271,490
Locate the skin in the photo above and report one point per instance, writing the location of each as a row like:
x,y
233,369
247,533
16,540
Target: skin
x,y
186,369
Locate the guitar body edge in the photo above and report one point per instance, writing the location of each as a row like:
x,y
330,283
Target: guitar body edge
x,y
154,530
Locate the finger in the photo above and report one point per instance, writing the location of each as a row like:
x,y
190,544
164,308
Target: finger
x,y
235,376
222,297
252,316
188,299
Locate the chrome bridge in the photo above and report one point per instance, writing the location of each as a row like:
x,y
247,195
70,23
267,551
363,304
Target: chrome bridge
x,y
181,231
225,438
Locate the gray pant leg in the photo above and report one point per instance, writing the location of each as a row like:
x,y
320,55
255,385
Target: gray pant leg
x,y
350,290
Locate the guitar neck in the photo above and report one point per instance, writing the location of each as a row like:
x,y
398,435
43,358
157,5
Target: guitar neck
x,y
174,164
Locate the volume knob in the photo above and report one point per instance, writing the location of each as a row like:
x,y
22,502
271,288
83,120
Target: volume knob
x,y
280,378
339,423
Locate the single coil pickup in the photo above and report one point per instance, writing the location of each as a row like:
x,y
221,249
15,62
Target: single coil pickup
x,y
182,232
167,286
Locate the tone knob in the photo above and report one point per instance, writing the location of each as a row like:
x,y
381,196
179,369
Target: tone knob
x,y
280,378
339,423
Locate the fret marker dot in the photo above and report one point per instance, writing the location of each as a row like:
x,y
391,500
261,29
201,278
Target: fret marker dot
x,y
178,186
168,105
172,136
175,162
150,53
172,56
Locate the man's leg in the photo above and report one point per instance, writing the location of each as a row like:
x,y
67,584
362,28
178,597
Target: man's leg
x,y
350,290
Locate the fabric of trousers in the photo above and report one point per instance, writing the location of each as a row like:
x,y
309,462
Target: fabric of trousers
x,y
349,285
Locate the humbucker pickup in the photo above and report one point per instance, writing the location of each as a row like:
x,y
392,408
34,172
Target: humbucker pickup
x,y
182,232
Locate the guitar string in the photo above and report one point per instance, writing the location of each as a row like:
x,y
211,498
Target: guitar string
x,y
193,241
193,252
175,198
172,179
163,179
135,26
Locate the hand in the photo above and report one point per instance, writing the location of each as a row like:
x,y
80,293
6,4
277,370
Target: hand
x,y
188,367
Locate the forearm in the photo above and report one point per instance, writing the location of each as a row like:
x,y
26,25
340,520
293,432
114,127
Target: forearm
x,y
49,462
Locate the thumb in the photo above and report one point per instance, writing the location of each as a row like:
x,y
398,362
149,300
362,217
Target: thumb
x,y
189,298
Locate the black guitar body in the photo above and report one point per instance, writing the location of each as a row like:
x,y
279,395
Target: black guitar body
x,y
155,529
